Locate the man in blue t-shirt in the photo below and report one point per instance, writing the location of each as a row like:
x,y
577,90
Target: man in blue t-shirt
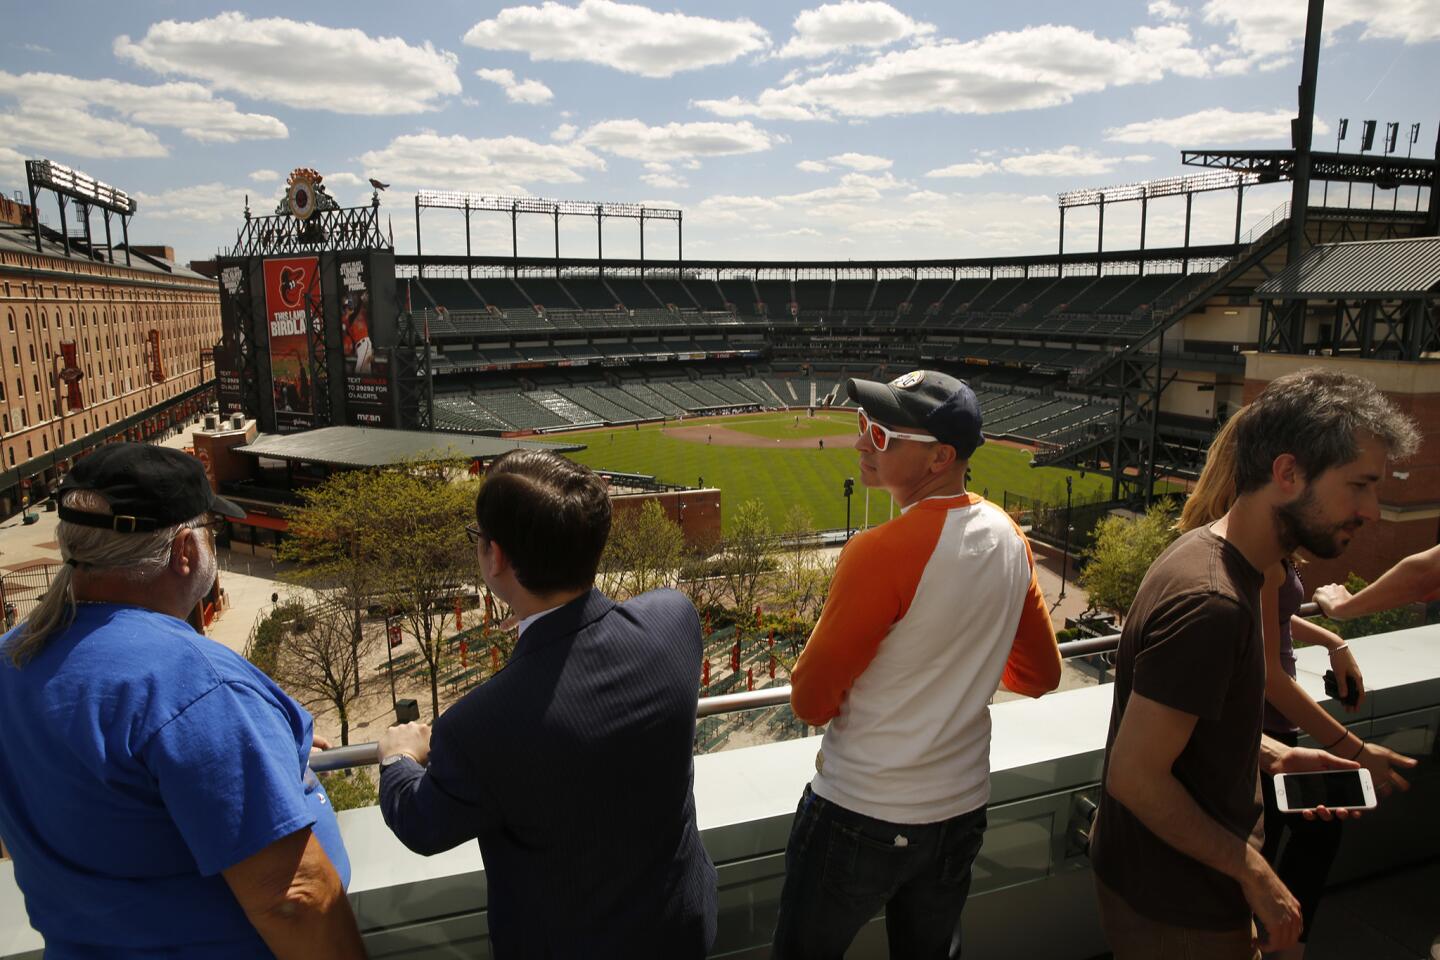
x,y
154,786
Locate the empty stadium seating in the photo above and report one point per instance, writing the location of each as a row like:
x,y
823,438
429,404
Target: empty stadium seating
x,y
776,296
616,348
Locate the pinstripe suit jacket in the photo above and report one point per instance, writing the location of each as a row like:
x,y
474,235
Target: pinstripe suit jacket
x,y
572,766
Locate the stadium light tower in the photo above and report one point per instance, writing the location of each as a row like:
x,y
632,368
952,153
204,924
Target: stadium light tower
x,y
849,490
1339,136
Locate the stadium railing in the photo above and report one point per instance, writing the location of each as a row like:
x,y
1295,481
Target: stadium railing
x,y
367,754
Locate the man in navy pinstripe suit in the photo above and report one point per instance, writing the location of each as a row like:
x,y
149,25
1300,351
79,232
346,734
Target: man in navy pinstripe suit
x,y
572,766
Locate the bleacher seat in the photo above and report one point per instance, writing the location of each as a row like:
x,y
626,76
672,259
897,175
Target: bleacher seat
x,y
548,292
501,292
707,294
776,296
813,295
591,293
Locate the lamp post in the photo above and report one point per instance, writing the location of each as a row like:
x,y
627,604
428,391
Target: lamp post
x,y
1065,561
1339,135
849,489
389,659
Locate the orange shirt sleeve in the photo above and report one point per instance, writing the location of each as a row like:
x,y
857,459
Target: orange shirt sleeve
x,y
1033,667
874,583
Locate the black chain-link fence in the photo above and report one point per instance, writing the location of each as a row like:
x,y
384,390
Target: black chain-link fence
x,y
1047,520
22,589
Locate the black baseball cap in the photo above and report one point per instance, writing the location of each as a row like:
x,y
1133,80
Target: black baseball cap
x,y
929,400
147,487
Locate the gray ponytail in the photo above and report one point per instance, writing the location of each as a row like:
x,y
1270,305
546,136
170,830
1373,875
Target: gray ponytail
x,y
134,557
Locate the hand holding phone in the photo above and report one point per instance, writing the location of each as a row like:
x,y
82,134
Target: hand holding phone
x,y
1332,689
1332,789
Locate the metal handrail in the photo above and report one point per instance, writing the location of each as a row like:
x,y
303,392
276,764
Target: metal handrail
x,y
368,754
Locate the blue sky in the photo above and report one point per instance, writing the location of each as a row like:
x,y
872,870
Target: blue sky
x,y
841,130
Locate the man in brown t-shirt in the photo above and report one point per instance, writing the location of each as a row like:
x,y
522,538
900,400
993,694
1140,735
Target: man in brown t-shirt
x,y
1175,874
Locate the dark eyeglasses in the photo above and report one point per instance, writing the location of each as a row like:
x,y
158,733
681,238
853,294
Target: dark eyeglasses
x,y
215,523
880,435
473,532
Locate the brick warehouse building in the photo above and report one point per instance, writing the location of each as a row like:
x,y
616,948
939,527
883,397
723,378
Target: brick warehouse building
x,y
92,348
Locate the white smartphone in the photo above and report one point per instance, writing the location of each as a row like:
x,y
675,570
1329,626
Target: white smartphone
x,y
1335,789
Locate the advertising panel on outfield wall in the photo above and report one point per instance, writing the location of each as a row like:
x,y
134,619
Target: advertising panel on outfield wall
x,y
234,324
309,341
292,293
367,363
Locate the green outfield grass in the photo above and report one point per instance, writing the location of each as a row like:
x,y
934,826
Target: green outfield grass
x,y
791,426
815,478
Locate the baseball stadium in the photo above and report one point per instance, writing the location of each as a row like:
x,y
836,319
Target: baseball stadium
x,y
708,385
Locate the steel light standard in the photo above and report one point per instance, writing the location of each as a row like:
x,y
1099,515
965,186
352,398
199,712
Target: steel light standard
x,y
849,489
1065,561
389,657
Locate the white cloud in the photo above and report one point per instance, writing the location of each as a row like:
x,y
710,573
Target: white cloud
x,y
1262,35
765,108
206,203
1166,10
834,27
1025,69
58,112
626,37
861,161
1067,161
517,91
501,164
564,133
344,179
664,181
636,140
36,48
1211,126
978,168
812,166
887,221
299,64
265,176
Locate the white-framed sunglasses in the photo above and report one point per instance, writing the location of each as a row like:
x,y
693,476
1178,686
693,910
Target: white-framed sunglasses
x,y
880,435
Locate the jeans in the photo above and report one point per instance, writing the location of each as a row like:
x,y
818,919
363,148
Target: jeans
x,y
842,867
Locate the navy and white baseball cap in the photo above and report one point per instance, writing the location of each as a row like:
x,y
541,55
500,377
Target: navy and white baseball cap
x,y
929,400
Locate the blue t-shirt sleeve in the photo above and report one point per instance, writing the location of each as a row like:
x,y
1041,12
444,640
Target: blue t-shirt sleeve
x,y
228,770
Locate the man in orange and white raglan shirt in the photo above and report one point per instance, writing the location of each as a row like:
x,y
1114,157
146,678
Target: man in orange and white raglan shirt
x,y
927,613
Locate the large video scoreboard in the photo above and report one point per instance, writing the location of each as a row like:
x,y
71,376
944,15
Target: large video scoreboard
x,y
308,339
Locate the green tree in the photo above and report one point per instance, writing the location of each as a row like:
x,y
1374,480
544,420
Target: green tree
x,y
263,647
744,556
338,551
422,509
644,552
1122,552
313,660
802,575
393,538
350,789
699,575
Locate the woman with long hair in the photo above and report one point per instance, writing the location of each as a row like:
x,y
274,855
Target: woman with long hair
x,y
1300,850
